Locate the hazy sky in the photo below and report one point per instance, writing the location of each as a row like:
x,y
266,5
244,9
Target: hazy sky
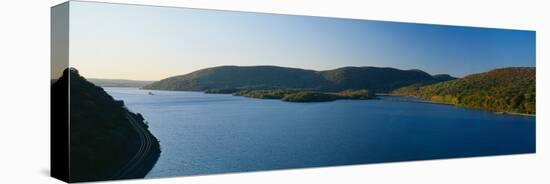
x,y
151,43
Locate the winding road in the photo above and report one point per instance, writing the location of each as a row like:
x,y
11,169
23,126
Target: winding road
x,y
129,170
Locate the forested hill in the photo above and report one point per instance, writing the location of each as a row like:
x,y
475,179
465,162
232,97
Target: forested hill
x,y
444,77
375,79
500,90
273,77
103,134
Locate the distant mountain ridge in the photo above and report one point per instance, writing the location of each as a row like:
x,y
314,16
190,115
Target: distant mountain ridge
x,y
375,79
444,77
119,82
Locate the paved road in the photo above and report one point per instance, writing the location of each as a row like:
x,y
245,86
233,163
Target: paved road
x,y
143,152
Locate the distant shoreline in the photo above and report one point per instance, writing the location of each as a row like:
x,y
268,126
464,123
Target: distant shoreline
x,y
416,101
441,103
516,114
377,95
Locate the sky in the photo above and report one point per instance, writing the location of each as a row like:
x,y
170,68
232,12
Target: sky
x,y
116,41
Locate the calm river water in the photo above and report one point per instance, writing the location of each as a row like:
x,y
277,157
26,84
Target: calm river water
x,y
217,133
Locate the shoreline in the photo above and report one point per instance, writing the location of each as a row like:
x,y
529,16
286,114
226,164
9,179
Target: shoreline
x,y
441,103
147,156
516,114
377,95
415,101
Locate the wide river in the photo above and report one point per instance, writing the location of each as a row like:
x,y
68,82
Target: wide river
x,y
217,133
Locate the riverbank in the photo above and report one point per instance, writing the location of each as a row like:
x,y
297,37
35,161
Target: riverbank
x,y
516,114
419,100
415,99
146,156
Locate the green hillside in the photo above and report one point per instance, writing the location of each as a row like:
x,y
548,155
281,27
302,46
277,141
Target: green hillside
x,y
500,90
373,78
257,77
220,79
104,136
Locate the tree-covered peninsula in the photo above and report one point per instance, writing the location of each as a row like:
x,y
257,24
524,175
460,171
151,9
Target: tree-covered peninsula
x,y
106,141
292,95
